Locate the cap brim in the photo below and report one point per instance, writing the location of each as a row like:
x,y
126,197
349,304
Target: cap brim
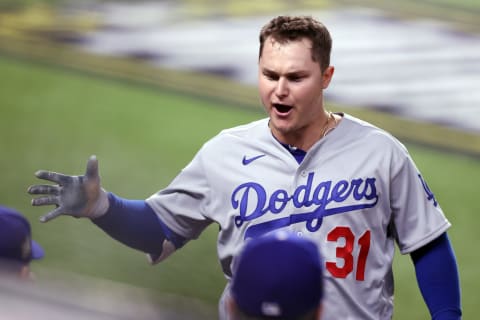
x,y
37,251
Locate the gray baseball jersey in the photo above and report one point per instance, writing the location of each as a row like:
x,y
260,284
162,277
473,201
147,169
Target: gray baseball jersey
x,y
356,193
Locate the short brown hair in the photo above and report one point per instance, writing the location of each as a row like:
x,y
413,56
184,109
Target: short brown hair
x,y
287,28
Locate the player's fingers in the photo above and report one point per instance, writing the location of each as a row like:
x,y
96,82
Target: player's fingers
x,y
92,167
45,201
44,189
51,215
53,176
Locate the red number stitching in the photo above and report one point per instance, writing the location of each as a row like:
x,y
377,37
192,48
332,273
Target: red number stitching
x,y
364,243
346,253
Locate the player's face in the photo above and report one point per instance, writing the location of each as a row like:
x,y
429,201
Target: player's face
x,y
291,88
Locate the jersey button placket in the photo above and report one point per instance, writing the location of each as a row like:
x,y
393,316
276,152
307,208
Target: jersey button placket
x,y
300,178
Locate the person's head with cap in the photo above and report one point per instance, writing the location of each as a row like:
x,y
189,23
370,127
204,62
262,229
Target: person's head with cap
x,y
277,276
17,249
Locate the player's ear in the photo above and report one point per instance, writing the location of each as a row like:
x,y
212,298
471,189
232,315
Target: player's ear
x,y
25,273
318,313
232,308
327,76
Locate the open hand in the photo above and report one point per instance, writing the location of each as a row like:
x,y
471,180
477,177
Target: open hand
x,y
77,196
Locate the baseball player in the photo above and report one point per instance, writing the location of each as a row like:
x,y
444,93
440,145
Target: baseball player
x,y
17,249
279,275
344,183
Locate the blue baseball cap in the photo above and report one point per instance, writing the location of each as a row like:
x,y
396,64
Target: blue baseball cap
x,y
279,275
16,238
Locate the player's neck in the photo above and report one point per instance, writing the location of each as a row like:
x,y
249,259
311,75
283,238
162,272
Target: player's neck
x,y
304,138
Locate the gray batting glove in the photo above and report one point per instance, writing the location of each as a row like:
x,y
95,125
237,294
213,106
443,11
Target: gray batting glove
x,y
77,196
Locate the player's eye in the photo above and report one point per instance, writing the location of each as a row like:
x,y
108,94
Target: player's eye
x,y
295,78
271,76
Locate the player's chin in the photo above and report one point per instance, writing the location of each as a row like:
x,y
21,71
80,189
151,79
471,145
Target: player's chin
x,y
281,125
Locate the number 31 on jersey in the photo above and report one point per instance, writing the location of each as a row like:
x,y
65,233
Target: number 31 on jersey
x,y
345,253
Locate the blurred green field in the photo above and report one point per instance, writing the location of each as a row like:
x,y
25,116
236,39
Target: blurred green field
x,y
52,118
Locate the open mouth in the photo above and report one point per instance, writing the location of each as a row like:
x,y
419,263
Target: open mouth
x,y
282,108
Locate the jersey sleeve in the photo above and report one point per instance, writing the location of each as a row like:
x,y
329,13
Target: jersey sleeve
x,y
417,216
183,203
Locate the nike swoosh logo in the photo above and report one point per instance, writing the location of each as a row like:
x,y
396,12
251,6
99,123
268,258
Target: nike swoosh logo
x,y
246,161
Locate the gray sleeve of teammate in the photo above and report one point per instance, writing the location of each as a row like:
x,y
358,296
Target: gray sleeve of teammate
x,y
183,204
418,217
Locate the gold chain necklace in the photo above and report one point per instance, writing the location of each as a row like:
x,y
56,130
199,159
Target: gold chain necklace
x,y
327,130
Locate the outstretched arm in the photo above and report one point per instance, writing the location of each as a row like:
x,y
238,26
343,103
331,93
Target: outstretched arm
x,y
135,224
132,222
437,276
